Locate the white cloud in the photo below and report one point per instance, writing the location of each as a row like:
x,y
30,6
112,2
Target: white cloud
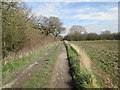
x,y
53,9
97,16
114,9
79,10
113,27
103,18
48,9
67,0
60,0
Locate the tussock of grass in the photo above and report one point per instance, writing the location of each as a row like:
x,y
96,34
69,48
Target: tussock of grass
x,y
82,78
41,77
16,65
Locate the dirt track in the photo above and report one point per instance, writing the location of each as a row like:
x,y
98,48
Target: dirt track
x,y
61,77
18,80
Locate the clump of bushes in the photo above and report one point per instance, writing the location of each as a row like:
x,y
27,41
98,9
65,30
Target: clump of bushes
x,y
14,26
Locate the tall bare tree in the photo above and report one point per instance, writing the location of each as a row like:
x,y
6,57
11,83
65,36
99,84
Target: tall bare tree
x,y
50,25
78,28
106,32
55,26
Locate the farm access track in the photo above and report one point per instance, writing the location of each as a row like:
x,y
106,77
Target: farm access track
x,y
60,76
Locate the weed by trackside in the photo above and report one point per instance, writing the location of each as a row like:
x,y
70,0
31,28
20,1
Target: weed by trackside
x,y
81,77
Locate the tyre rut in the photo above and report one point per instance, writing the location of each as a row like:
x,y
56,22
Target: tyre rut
x,y
18,80
61,75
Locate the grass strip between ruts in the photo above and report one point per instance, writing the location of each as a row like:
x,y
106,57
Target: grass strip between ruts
x,y
15,66
41,76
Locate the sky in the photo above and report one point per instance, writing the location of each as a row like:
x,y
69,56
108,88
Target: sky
x,y
94,16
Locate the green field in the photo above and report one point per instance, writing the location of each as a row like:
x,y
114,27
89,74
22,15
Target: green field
x,y
104,58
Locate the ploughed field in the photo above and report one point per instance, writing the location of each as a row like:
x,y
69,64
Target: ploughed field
x,y
104,56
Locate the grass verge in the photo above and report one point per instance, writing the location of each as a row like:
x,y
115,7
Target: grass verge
x,y
81,77
15,66
41,77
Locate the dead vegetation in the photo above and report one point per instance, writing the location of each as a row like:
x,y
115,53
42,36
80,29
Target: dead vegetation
x,y
85,62
81,70
30,46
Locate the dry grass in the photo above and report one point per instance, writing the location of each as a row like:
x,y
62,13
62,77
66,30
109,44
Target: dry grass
x,y
80,63
85,62
36,43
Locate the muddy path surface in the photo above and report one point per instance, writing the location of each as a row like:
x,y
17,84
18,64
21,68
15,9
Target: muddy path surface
x,y
61,77
16,81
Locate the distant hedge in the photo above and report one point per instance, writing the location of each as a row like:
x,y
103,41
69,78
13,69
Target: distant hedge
x,y
77,36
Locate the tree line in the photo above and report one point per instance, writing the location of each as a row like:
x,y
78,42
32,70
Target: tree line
x,y
79,33
18,24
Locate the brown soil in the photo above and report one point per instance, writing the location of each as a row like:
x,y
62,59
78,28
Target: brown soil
x,y
61,77
86,62
16,81
106,80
